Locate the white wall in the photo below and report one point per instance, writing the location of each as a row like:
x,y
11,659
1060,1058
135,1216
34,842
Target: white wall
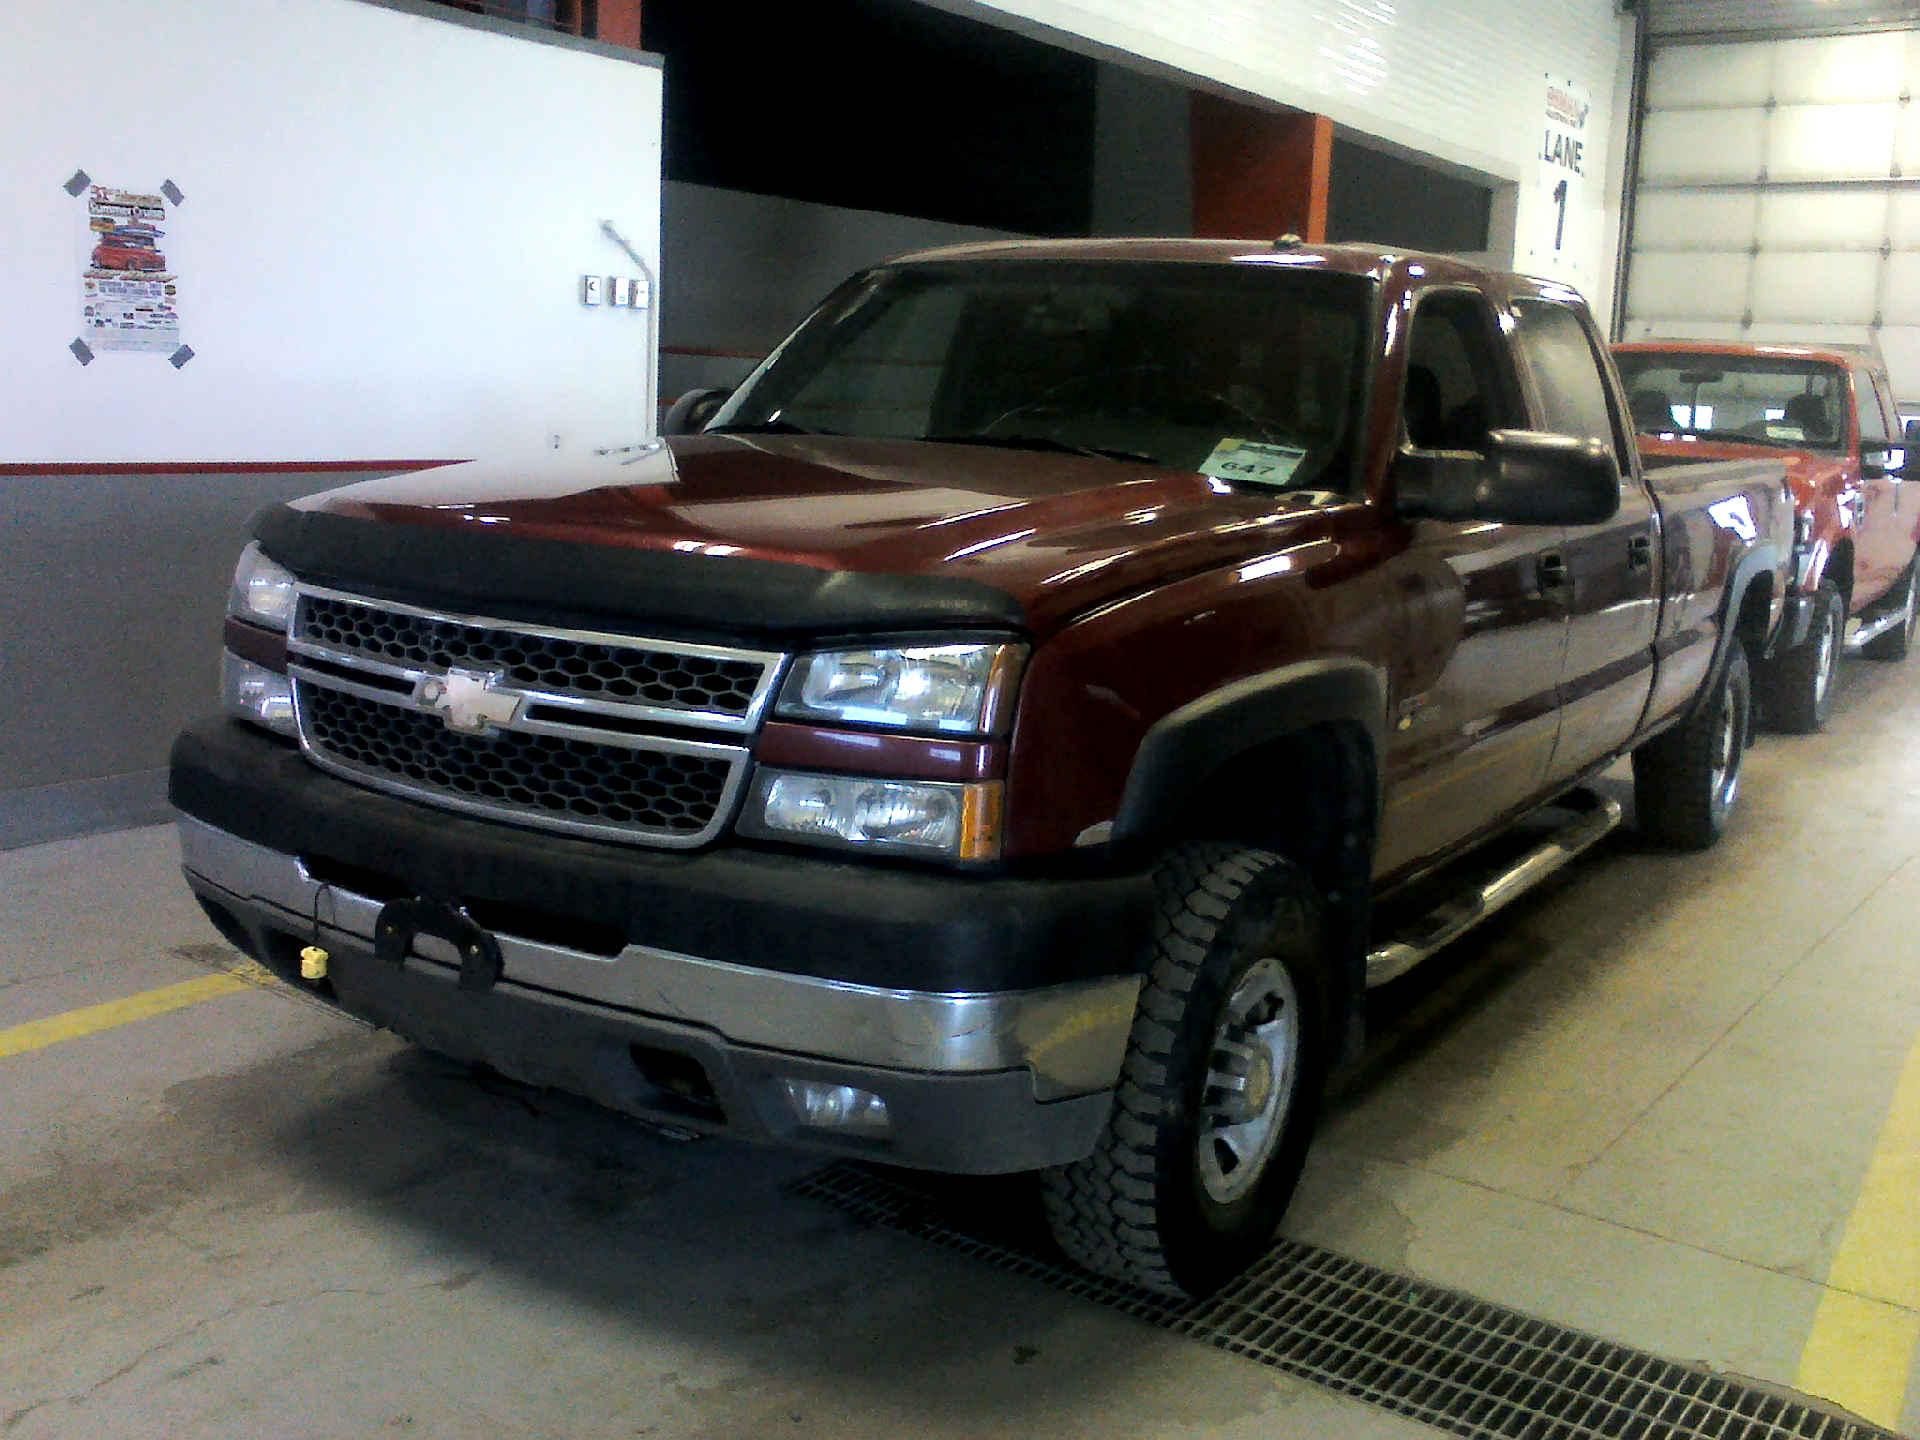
x,y
1460,81
384,222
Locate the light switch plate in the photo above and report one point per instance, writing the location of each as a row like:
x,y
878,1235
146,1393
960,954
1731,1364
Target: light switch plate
x,y
590,289
638,293
619,291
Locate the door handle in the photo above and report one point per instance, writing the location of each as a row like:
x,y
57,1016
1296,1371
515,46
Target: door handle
x,y
1550,571
1640,552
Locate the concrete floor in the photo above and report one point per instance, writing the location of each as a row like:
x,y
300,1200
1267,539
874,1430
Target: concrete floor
x,y
1653,1102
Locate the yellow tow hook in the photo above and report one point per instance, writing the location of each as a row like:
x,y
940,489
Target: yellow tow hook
x,y
313,963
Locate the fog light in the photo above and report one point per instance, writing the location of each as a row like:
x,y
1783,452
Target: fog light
x,y
256,693
836,1107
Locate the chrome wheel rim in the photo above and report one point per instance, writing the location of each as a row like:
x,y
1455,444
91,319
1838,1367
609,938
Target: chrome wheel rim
x,y
1252,1070
1724,776
1829,653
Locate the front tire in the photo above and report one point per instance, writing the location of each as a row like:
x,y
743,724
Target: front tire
x,y
1685,781
1222,1081
1796,688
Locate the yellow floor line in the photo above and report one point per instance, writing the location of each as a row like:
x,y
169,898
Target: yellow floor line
x,y
1867,1329
90,1020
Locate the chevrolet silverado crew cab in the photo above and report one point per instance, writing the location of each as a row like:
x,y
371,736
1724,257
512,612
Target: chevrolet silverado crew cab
x,y
1830,414
1013,735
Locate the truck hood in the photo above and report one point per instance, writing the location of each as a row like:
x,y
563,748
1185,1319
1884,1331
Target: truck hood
x,y
1056,533
1807,471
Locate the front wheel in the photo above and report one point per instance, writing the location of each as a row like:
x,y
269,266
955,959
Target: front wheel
x,y
1796,687
1221,1085
1686,780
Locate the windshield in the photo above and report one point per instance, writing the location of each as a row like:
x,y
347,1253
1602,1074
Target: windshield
x,y
1245,372
1756,399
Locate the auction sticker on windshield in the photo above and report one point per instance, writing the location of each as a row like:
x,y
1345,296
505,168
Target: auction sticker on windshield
x,y
1253,461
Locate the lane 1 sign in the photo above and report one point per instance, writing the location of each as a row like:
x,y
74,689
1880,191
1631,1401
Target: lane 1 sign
x,y
1565,159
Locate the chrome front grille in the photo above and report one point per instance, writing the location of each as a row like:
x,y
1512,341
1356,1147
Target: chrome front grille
x,y
640,740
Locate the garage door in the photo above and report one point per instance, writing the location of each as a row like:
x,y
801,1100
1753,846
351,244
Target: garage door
x,y
1779,178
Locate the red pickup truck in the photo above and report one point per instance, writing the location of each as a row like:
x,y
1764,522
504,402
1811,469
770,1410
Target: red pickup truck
x,y
1831,414
1013,735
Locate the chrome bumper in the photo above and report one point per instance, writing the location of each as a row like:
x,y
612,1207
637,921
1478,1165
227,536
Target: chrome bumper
x,y
1071,1038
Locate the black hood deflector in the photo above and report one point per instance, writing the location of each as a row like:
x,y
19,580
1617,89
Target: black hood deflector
x,y
557,582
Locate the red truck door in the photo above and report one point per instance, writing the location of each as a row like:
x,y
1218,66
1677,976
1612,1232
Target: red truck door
x,y
1611,570
1473,711
1884,544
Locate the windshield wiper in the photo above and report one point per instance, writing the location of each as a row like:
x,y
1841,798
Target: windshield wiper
x,y
1740,437
765,427
1045,442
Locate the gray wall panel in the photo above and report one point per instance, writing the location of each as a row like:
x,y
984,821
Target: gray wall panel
x,y
112,589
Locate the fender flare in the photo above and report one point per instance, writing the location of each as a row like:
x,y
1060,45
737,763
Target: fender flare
x,y
1758,563
1190,743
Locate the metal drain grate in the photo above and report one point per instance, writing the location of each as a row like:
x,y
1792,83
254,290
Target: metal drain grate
x,y
1434,1355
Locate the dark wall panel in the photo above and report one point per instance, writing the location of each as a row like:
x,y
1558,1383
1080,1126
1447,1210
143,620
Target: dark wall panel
x,y
1380,197
878,105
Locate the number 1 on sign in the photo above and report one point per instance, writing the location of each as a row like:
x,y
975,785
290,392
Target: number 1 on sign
x,y
1560,199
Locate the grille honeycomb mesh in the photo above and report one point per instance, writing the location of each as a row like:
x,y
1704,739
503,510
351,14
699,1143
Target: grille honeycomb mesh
x,y
620,673
544,776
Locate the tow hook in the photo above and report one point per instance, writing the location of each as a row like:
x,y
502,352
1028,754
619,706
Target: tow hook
x,y
401,922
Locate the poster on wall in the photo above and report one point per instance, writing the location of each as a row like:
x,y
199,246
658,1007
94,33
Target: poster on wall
x,y
1567,161
129,288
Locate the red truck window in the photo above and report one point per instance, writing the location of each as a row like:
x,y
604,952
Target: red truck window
x,y
1566,369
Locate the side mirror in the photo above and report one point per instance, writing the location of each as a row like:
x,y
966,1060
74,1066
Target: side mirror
x,y
690,413
1526,477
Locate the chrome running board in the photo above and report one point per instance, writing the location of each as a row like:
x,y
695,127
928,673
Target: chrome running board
x,y
1453,917
1870,630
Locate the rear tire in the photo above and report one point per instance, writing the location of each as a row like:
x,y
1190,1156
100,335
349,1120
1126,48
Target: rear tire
x,y
1896,642
1221,1085
1796,688
1685,781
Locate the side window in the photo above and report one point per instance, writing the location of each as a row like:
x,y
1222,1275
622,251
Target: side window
x,y
1455,388
1873,420
1560,356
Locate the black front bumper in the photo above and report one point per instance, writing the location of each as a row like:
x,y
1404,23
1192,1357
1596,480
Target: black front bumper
x,y
989,1014
860,923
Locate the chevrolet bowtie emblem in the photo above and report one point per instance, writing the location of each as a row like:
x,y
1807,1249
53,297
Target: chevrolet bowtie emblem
x,y
468,701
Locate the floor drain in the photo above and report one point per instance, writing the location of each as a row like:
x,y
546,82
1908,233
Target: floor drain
x,y
1434,1355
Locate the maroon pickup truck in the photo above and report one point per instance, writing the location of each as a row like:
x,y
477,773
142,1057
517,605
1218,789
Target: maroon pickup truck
x,y
1013,735
1831,416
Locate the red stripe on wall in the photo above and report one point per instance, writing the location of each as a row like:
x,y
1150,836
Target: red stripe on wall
x,y
218,467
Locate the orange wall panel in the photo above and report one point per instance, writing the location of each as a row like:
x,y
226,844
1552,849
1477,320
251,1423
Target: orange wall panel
x,y
618,23
1258,174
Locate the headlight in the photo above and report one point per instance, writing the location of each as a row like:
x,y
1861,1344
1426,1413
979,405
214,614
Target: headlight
x,y
951,689
256,693
853,812
262,591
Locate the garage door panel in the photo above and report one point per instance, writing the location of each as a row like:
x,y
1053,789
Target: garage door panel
x,y
1697,286
1826,142
1900,345
1902,305
1820,135
1816,288
1824,220
1716,75
1688,220
1839,68
1655,329
1903,219
1906,140
1703,145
